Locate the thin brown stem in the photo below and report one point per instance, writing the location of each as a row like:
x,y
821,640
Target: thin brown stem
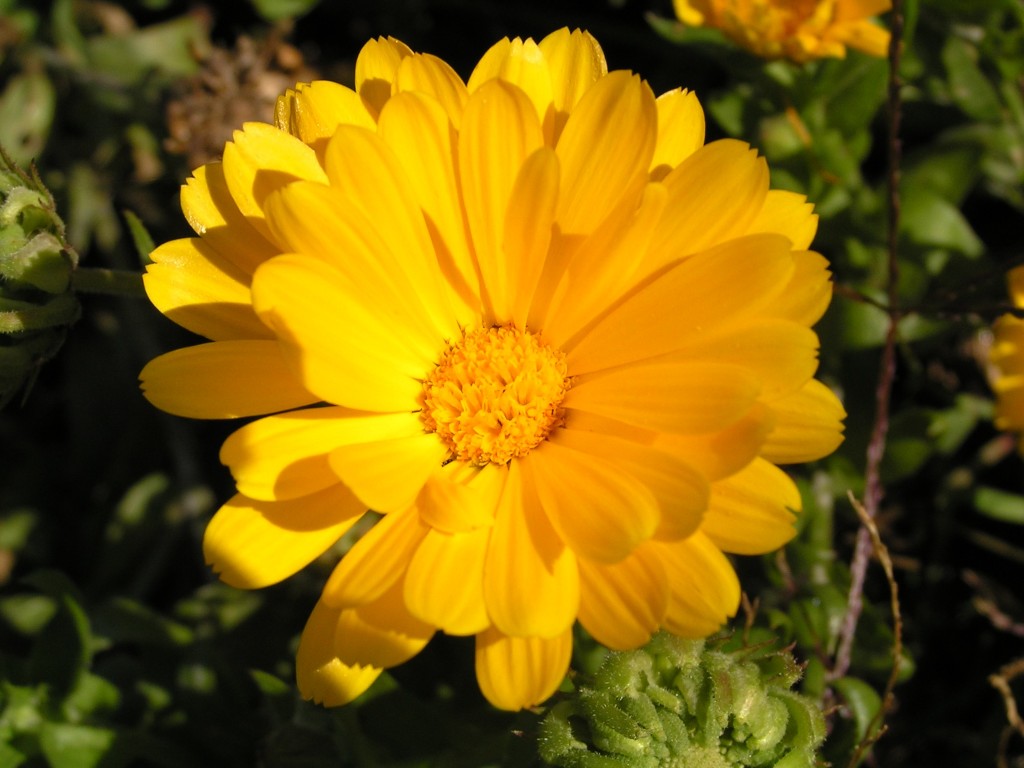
x,y
887,369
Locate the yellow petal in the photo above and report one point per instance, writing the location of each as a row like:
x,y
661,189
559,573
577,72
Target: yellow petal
x,y
388,475
364,263
430,75
808,425
223,380
260,159
706,291
600,167
368,364
680,130
575,62
669,397
461,497
313,111
599,509
622,604
809,292
714,196
531,582
867,37
212,213
680,491
519,63
320,675
380,634
198,289
499,131
376,562
789,214
517,672
722,453
419,132
376,71
704,588
752,512
600,269
529,219
444,585
285,456
253,544
371,181
782,355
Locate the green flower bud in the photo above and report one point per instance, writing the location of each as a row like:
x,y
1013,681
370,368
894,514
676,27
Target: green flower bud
x,y
686,704
36,262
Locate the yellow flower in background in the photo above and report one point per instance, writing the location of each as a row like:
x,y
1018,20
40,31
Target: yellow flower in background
x,y
800,30
556,342
1007,358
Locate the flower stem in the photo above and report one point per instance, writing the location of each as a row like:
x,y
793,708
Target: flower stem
x,y
111,282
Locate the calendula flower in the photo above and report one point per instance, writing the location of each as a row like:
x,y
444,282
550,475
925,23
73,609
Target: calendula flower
x,y
1007,358
553,340
800,30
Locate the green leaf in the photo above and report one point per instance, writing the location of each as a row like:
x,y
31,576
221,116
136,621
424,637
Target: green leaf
x,y
63,650
75,746
141,238
968,86
275,10
999,505
27,107
862,702
928,219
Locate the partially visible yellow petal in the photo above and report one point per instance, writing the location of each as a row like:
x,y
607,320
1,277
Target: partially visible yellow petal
x,y
260,159
531,582
600,166
867,37
320,675
789,214
430,75
706,291
808,425
376,561
809,292
380,634
253,544
389,474
285,456
680,398
313,111
461,497
599,509
195,287
519,63
377,70
211,211
680,491
369,365
680,130
518,672
752,512
224,380
420,133
370,179
499,131
726,451
704,589
529,220
575,62
622,604
714,196
444,585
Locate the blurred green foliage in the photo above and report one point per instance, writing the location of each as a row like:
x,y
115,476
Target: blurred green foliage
x,y
117,646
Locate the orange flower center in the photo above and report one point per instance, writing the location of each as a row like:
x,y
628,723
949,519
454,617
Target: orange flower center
x,y
495,394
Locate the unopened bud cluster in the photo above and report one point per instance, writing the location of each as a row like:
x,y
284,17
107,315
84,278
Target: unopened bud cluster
x,y
36,303
686,704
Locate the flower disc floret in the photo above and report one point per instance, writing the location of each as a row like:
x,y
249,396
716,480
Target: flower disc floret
x,y
495,394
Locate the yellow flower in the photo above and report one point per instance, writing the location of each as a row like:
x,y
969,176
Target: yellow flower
x,y
557,343
800,30
1007,358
